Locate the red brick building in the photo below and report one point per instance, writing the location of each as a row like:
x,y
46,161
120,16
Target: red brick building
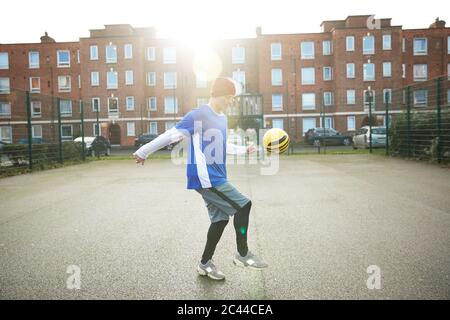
x,y
141,83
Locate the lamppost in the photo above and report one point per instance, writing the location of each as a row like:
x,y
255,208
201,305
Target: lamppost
x,y
47,61
370,97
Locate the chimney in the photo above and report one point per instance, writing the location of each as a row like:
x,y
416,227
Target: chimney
x,y
438,24
46,39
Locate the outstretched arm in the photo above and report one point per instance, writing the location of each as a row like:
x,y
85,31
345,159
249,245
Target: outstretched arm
x,y
170,136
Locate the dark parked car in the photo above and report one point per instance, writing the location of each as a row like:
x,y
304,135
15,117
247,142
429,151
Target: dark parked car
x,y
33,141
146,138
94,145
322,137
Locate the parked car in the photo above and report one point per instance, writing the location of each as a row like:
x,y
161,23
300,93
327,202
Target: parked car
x,y
322,137
146,138
33,141
94,145
362,137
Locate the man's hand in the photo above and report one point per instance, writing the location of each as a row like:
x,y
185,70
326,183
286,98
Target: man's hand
x,y
251,148
138,159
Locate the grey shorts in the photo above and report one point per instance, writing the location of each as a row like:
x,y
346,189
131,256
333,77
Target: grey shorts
x,y
222,201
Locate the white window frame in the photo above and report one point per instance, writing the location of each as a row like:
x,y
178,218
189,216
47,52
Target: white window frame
x,y
304,128
384,95
132,106
277,77
351,102
329,47
110,110
95,129
71,132
404,71
131,129
306,72
304,55
61,64
328,95
170,55
67,88
93,52
278,123
273,56
366,102
68,113
403,44
387,36
238,55
350,43
151,53
416,68
153,124
33,105
351,67
112,59
277,106
7,106
93,83
305,107
152,106
423,105
30,64
385,73
239,76
6,138
78,56
37,89
170,75
174,101
169,125
325,69
93,104
328,122
128,51
367,51
129,77
365,73
110,85
417,52
33,131
151,79
349,128
5,66
7,88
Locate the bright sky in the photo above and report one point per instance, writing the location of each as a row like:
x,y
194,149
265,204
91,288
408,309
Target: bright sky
x,y
26,21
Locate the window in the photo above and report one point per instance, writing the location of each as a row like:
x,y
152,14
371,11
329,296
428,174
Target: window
x,y
387,69
151,53
113,105
78,55
327,73
369,98
95,130
111,80
351,97
36,131
387,39
130,103
277,77
277,102
152,104
111,54
307,50
64,84
35,84
277,123
351,123
239,76
4,86
308,76
169,55
202,101
403,71
153,128
350,43
369,72
4,60
63,57
448,45
420,72
169,125
95,78
403,45
66,132
129,78
327,48
79,81
200,78
128,49
5,109
309,101
5,134
420,46
238,55
328,98
350,70
65,107
130,129
33,60
170,80
420,98
151,79
36,109
369,45
387,96
95,104
308,123
93,52
170,105
275,51
329,123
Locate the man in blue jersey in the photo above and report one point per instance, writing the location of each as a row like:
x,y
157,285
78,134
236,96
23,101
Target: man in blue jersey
x,y
206,130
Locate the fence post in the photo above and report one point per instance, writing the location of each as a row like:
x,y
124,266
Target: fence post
x,y
58,108
387,99
408,120
439,121
83,155
29,131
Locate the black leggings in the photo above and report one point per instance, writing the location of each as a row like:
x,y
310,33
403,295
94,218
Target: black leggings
x,y
216,229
